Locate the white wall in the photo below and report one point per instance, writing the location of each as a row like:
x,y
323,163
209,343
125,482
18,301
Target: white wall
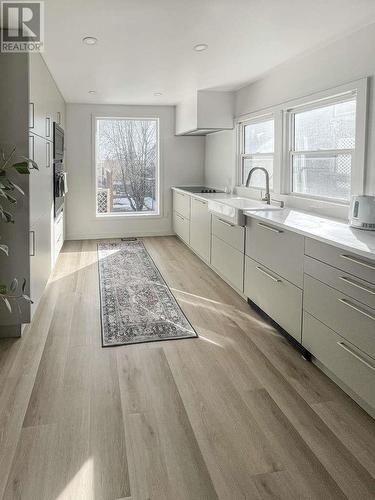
x,y
220,159
343,61
181,161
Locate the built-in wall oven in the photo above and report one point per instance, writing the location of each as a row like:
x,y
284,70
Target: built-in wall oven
x,y
59,174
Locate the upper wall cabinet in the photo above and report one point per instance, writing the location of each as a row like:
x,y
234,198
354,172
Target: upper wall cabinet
x,y
46,103
205,112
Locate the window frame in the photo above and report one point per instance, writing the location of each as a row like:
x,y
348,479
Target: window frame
x,y
250,156
281,167
155,214
292,152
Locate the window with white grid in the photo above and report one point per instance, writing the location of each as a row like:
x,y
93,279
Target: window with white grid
x,y
257,150
321,148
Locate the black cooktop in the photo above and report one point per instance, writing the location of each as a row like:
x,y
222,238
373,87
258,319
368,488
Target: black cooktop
x,y
200,189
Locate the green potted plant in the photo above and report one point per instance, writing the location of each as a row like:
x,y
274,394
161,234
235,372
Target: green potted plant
x,y
9,191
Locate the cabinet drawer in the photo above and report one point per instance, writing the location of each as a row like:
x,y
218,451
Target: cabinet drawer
x,y
181,204
181,227
280,250
228,261
346,261
346,362
200,228
349,318
277,297
232,235
344,282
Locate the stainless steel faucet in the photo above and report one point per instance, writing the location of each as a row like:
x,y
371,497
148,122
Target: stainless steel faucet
x,y
267,196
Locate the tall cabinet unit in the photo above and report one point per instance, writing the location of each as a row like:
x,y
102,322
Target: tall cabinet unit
x,y
29,103
46,106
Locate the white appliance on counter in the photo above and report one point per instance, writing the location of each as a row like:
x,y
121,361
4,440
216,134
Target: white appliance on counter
x,y
362,212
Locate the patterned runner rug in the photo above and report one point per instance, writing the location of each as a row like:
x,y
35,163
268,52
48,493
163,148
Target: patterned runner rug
x,y
136,303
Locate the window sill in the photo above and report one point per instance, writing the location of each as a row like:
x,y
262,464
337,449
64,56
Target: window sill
x,y
129,215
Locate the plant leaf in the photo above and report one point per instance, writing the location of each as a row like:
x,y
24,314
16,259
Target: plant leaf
x,y
22,167
27,298
6,216
14,285
5,249
3,289
7,303
11,199
23,288
33,163
16,186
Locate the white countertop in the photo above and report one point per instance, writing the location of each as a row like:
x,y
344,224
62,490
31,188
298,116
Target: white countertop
x,y
332,231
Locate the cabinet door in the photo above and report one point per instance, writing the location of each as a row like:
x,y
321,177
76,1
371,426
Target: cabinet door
x,y
228,262
40,257
41,181
276,248
181,204
181,227
277,297
200,228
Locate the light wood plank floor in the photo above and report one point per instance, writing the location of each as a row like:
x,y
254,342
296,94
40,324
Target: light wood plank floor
x,y
235,414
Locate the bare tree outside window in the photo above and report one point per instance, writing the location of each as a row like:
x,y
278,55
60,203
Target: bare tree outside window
x,y
126,165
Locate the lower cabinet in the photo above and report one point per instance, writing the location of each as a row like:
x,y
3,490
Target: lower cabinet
x,y
181,227
276,296
40,257
58,238
228,262
349,364
200,228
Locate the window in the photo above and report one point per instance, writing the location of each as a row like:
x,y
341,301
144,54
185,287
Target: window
x,y
322,145
257,150
127,166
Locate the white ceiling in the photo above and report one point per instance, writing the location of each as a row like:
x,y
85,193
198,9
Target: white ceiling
x,y
145,46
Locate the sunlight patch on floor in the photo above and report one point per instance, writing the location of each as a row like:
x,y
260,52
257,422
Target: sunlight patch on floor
x,y
81,485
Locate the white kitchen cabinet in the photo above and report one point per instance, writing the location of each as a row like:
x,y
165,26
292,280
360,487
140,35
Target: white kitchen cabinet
x,y
181,204
231,234
200,228
228,262
58,235
341,259
40,257
181,227
276,296
205,112
342,313
46,103
276,248
346,362
41,181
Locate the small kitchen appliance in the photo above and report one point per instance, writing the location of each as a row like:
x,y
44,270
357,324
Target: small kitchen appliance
x,y
362,212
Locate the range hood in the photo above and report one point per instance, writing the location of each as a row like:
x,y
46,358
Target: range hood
x,y
205,112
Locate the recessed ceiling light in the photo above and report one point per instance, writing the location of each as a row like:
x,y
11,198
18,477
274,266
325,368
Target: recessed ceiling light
x,y
90,40
157,94
92,91
200,47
